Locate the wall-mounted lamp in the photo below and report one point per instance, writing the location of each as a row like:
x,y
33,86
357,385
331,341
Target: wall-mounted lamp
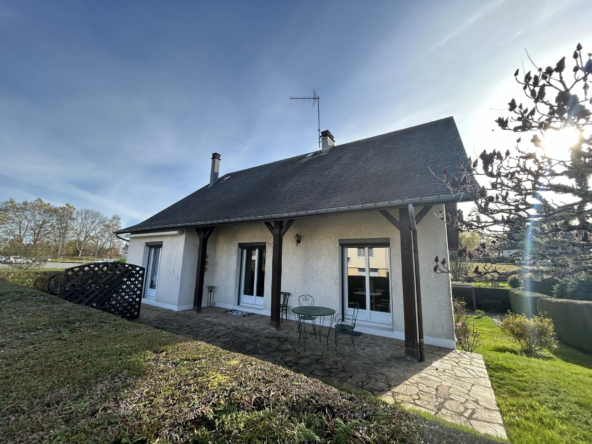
x,y
298,239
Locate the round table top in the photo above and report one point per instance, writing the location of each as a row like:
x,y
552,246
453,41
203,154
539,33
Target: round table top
x,y
313,310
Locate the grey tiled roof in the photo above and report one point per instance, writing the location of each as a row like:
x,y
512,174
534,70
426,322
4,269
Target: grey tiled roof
x,y
381,171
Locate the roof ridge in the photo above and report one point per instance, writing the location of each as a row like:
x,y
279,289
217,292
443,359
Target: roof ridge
x,y
397,131
341,145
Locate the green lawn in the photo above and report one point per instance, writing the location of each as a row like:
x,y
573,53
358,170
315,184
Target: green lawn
x,y
542,400
72,374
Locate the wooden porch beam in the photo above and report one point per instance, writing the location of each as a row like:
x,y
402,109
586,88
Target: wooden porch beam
x,y
392,219
203,233
425,210
287,226
269,226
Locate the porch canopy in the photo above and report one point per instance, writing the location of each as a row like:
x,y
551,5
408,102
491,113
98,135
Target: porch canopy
x,y
374,174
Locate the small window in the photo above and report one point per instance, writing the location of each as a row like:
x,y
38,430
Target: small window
x,y
361,272
360,252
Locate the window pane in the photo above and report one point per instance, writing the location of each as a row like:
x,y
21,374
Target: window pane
x,y
249,277
380,298
360,252
370,252
154,267
261,272
356,284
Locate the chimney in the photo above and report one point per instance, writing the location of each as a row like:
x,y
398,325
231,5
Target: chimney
x,y
327,141
215,169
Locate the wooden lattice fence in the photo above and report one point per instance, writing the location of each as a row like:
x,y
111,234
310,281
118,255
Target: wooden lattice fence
x,y
113,287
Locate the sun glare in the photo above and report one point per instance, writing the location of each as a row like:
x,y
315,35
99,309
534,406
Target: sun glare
x,y
557,143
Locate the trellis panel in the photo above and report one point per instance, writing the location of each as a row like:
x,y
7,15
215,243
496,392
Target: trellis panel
x,y
113,287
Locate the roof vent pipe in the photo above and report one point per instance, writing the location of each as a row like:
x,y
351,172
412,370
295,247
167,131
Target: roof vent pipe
x,y
215,169
327,141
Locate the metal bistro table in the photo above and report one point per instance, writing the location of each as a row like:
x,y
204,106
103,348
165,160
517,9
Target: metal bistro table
x,y
317,312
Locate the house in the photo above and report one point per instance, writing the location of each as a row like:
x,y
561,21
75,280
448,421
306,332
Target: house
x,y
335,223
512,250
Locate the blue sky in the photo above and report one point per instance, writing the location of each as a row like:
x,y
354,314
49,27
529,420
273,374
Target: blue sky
x,y
118,105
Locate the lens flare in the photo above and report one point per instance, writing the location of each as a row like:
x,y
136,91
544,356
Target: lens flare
x,y
558,143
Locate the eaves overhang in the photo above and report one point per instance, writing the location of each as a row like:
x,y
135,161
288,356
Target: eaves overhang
x,y
304,214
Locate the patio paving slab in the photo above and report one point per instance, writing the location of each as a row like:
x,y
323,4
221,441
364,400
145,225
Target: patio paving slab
x,y
451,384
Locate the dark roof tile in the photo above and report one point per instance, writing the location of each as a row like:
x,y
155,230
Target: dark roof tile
x,y
393,167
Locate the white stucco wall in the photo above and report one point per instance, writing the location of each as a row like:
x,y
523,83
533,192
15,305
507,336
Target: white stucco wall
x,y
313,267
171,265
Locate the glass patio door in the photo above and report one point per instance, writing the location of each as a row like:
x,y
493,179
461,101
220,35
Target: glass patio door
x,y
367,282
152,271
252,282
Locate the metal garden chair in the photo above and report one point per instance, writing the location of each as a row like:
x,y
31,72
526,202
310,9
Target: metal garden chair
x,y
284,304
306,300
346,325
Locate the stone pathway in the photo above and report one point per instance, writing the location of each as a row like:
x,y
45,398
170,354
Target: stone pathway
x,y
451,384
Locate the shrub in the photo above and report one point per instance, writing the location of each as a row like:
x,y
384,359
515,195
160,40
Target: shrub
x,y
479,313
493,305
515,281
532,335
467,338
36,279
544,286
560,289
579,288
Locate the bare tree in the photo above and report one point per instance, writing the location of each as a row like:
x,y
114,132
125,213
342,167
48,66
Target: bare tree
x,y
41,216
113,243
15,223
86,227
63,218
532,196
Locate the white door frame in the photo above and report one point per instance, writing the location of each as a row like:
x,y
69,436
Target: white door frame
x,y
150,293
249,299
368,315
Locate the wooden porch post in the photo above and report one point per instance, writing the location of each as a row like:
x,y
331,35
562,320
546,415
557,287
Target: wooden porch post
x,y
203,233
411,282
408,274
453,237
277,230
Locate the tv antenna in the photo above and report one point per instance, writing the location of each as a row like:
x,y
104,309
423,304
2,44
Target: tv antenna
x,y
316,100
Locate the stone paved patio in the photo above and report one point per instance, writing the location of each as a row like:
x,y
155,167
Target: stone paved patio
x,y
451,384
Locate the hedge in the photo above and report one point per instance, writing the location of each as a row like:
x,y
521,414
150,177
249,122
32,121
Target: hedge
x,y
36,279
572,319
489,299
544,286
525,302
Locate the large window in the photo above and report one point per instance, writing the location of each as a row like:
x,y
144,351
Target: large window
x,y
152,269
252,275
367,282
